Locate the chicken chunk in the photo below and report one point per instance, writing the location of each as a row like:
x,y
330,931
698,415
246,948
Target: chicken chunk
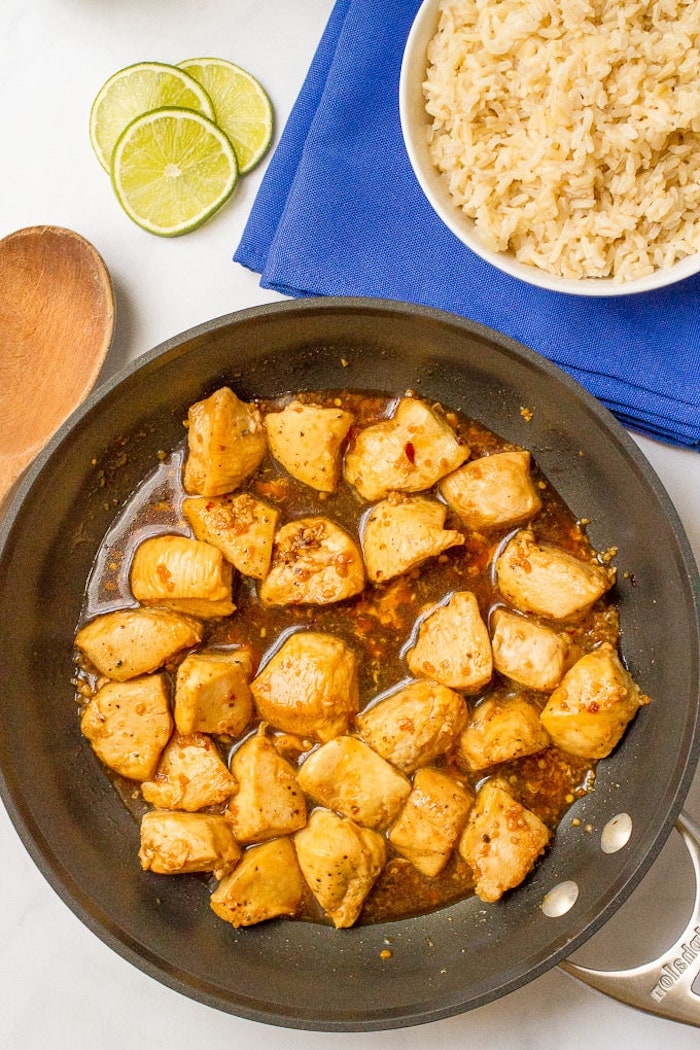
x,y
499,730
182,574
241,526
309,687
588,712
226,442
179,843
415,725
348,776
547,581
340,861
431,821
501,841
191,775
314,562
268,801
307,440
128,724
526,651
493,490
407,453
132,642
212,692
453,646
403,532
266,884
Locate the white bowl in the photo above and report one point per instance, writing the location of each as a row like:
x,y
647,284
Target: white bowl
x,y
414,124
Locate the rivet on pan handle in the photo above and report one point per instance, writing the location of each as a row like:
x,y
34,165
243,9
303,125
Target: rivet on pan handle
x,y
663,986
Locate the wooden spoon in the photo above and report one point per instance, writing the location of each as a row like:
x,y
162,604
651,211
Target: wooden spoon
x,y
56,324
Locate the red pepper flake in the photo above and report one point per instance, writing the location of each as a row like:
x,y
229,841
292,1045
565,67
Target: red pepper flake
x,y
410,451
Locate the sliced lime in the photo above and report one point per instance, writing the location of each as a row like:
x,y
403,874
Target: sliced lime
x,y
242,108
137,89
171,169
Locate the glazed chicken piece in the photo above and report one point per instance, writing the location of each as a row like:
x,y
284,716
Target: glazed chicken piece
x,y
402,532
266,884
182,574
499,730
306,440
547,581
268,801
407,453
453,646
501,841
225,441
415,725
588,712
493,490
431,821
128,724
309,687
190,775
212,692
340,861
526,651
241,526
314,562
132,642
348,776
179,843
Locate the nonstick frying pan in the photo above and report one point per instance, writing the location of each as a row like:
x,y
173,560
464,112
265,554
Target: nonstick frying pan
x,y
83,838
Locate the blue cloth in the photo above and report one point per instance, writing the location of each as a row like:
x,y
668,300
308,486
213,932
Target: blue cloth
x,y
339,212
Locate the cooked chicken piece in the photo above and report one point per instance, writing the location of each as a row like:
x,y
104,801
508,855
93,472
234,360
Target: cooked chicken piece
x,y
547,581
588,712
306,440
129,723
191,775
226,442
415,725
453,646
499,730
501,841
241,526
402,532
132,642
314,562
309,687
340,861
407,453
349,777
269,801
177,843
182,574
431,821
528,652
266,884
212,692
493,490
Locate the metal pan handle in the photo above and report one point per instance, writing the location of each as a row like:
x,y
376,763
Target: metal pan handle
x,y
664,986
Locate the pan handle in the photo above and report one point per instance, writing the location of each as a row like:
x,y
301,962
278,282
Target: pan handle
x,y
663,986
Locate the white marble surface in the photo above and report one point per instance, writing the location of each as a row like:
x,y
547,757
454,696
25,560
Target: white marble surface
x,y
59,985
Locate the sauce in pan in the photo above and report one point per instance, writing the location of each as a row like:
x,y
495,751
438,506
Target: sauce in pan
x,y
377,624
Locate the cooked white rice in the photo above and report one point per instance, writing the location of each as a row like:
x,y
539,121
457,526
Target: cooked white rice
x,y
569,130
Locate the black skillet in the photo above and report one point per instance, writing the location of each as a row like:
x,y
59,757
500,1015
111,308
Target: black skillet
x,y
81,835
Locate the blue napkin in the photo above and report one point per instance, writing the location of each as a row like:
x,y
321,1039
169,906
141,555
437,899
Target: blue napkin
x,y
339,212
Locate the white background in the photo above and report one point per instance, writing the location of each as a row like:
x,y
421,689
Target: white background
x,y
59,985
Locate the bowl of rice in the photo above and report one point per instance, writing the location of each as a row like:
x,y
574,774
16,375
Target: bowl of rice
x,y
559,140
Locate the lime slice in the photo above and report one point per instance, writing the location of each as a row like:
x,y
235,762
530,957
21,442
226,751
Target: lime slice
x,y
242,107
138,89
171,169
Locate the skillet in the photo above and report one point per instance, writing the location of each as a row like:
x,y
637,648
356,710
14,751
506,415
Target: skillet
x,y
83,838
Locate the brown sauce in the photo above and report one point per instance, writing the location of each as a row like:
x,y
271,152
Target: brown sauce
x,y
377,624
